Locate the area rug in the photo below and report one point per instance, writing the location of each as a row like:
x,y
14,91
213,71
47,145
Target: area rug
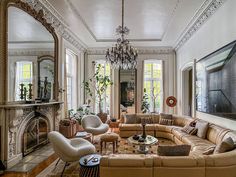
x,y
124,148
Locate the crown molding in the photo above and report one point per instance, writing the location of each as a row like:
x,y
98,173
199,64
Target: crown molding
x,y
208,8
30,52
56,20
141,50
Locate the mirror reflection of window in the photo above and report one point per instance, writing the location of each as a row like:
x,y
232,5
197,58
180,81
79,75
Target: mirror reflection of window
x,y
24,75
29,46
153,84
127,91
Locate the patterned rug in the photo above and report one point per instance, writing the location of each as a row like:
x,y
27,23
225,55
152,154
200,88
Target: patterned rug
x,y
124,148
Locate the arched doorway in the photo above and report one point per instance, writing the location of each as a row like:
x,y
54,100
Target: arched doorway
x,y
188,89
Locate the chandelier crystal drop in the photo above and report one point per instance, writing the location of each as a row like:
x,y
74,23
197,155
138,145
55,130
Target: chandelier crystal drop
x,y
122,55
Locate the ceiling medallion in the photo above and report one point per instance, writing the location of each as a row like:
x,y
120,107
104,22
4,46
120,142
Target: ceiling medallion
x,y
123,55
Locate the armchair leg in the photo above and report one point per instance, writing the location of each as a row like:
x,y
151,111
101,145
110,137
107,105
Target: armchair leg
x,y
57,163
66,164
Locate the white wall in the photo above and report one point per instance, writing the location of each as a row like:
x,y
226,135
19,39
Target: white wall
x,y
169,79
219,30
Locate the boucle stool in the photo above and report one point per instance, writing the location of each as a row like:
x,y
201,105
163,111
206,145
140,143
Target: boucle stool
x,y
109,137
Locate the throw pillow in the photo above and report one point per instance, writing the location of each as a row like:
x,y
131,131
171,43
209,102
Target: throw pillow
x,y
209,151
189,129
178,150
130,118
225,146
146,120
166,119
202,128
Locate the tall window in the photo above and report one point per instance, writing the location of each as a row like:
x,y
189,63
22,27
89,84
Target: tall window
x,y
24,75
71,80
153,84
105,71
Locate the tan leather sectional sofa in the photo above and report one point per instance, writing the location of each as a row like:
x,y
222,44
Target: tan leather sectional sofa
x,y
194,165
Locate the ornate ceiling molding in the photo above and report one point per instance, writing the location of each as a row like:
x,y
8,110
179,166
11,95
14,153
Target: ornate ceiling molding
x,y
141,50
57,21
208,8
30,52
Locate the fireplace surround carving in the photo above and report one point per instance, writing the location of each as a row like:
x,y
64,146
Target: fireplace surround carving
x,y
14,121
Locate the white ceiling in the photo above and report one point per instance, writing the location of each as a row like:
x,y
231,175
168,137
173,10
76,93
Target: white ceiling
x,y
152,22
26,32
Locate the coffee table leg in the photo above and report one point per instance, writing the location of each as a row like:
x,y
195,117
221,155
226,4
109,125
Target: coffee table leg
x,y
143,149
101,146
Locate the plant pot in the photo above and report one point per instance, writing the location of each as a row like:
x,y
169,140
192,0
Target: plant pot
x,y
69,129
102,116
79,127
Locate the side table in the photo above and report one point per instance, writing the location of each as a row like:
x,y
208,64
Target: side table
x,y
91,168
84,135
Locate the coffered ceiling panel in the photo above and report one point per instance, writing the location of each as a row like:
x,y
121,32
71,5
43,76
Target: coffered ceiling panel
x,y
151,22
147,19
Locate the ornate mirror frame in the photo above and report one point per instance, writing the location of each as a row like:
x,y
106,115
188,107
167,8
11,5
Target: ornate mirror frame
x,y
39,16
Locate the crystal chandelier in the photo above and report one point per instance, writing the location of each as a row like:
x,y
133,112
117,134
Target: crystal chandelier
x,y
122,55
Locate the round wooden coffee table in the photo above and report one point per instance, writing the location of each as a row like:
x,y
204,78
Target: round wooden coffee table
x,y
143,146
89,165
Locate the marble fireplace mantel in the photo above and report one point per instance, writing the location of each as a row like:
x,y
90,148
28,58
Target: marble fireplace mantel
x,y
13,120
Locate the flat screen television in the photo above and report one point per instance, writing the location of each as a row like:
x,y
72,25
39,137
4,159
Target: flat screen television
x,y
216,82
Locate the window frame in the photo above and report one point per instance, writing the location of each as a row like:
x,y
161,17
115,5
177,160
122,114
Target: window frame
x,y
152,79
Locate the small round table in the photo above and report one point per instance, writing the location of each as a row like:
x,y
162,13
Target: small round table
x,y
91,168
150,140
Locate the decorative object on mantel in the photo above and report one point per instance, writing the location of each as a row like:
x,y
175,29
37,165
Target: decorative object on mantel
x,y
23,93
95,88
123,55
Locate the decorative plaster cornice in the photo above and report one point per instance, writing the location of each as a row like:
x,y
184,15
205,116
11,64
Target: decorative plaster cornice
x,y
141,50
208,8
57,21
29,52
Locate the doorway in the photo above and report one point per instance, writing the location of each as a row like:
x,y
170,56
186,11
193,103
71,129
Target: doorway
x,y
187,92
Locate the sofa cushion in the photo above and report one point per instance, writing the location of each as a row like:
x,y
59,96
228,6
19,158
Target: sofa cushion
x,y
178,133
164,128
147,120
196,141
182,120
189,129
166,119
209,150
202,128
225,146
130,127
177,150
130,119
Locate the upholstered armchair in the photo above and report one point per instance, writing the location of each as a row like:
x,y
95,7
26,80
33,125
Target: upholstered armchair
x,y
70,150
93,124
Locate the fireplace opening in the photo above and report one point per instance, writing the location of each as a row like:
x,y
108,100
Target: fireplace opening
x,y
35,134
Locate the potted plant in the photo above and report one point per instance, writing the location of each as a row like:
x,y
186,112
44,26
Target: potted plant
x,y
96,87
145,104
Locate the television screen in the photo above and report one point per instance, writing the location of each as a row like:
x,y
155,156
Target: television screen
x,y
216,82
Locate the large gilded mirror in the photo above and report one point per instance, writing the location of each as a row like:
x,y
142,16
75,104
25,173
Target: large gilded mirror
x,y
31,58
127,91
